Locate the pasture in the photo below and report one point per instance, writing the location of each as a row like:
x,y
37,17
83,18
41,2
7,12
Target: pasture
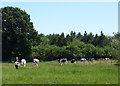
x,y
53,73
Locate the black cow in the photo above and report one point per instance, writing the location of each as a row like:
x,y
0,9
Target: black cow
x,y
62,61
83,60
73,61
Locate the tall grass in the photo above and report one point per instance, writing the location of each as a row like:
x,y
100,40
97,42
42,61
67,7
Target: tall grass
x,y
53,73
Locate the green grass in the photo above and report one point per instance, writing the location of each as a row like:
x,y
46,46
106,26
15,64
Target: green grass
x,y
52,73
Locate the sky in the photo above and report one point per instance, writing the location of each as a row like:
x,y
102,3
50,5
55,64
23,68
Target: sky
x,y
58,17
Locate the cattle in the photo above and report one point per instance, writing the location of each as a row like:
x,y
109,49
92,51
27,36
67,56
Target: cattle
x,y
23,63
90,59
35,61
107,58
62,61
83,59
102,59
17,63
73,61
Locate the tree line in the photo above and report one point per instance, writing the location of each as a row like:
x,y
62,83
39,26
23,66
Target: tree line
x,y
19,38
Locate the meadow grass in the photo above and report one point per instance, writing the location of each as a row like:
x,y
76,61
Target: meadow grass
x,y
53,73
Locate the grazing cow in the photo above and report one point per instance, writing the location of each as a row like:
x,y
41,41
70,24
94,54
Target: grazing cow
x,y
59,60
107,58
62,61
83,59
73,61
90,59
23,62
35,61
102,59
17,63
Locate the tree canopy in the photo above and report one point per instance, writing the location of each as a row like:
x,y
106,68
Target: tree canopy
x,y
17,32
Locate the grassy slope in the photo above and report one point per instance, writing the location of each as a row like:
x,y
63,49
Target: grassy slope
x,y
53,73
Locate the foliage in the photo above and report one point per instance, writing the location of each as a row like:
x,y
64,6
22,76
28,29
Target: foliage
x,y
116,46
18,33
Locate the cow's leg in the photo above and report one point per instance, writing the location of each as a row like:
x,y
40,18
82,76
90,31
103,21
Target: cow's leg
x,y
21,65
16,66
35,64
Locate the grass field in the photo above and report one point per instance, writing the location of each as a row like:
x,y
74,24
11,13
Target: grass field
x,y
52,73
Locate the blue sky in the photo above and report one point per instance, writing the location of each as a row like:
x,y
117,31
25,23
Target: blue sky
x,y
58,17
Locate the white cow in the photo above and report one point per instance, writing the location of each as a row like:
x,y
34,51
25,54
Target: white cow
x,y
83,59
73,61
23,62
35,61
107,58
17,64
63,61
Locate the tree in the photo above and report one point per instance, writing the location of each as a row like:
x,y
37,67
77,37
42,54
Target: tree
x,y
116,47
68,39
61,40
73,34
53,39
88,50
103,40
85,38
95,41
90,38
99,52
108,51
79,36
17,33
